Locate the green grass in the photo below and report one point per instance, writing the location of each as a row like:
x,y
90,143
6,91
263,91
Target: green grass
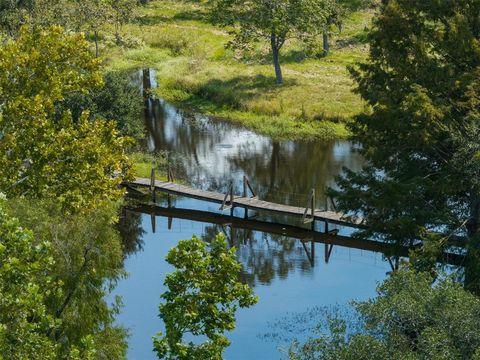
x,y
143,164
194,69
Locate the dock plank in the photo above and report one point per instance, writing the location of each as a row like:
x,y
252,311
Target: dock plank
x,y
248,203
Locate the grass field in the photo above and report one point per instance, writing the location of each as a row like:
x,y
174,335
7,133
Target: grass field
x,y
194,69
143,164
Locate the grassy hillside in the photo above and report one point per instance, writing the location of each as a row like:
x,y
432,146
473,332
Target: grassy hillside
x,y
195,70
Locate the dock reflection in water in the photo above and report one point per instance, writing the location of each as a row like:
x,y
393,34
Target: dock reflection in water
x,y
209,154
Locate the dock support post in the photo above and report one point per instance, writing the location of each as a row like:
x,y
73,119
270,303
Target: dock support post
x,y
152,184
228,194
245,195
312,252
231,198
247,186
244,186
313,209
310,204
153,220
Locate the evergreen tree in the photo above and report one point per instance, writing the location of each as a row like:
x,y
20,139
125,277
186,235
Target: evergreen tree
x,y
420,138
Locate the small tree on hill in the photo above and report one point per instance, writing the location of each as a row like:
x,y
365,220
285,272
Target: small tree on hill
x,y
274,21
202,298
122,12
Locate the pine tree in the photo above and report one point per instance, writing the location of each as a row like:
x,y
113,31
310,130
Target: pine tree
x,y
420,138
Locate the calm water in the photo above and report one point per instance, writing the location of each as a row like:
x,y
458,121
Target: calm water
x,y
208,153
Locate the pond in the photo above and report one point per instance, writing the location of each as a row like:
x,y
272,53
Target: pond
x,y
207,154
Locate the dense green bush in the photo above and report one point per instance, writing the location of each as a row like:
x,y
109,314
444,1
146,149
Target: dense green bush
x,y
118,99
409,319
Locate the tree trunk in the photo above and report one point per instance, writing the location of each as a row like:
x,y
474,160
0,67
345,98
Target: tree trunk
x,y
326,43
95,34
276,59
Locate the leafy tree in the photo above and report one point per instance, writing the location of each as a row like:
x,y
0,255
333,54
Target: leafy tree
x,y
274,21
87,261
24,320
123,11
13,14
16,13
118,99
28,286
335,13
43,154
202,298
421,136
92,15
409,319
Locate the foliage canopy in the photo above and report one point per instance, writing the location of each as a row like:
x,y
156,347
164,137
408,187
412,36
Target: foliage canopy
x,y
24,319
274,21
409,319
43,153
421,136
202,298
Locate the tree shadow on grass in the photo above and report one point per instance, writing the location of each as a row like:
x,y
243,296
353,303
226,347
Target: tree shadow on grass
x,y
291,56
358,39
234,92
151,20
189,15
198,15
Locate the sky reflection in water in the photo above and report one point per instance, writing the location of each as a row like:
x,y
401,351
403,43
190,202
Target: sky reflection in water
x,y
208,154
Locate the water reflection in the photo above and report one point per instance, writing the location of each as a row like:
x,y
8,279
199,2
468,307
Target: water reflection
x,y
131,231
277,266
264,256
211,152
287,274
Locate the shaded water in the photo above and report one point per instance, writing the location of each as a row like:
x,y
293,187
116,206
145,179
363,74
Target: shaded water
x,y
209,153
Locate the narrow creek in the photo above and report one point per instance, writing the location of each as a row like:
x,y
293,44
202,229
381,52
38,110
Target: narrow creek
x,y
208,154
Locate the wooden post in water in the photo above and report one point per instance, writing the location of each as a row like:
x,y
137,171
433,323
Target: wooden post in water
x,y
247,186
245,195
312,251
313,209
229,194
152,184
310,203
244,186
154,223
231,198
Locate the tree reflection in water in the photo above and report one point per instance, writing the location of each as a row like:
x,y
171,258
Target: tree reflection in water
x,y
131,231
211,152
264,256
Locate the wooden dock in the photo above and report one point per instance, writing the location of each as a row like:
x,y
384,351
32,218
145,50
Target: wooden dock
x,y
309,214
304,235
